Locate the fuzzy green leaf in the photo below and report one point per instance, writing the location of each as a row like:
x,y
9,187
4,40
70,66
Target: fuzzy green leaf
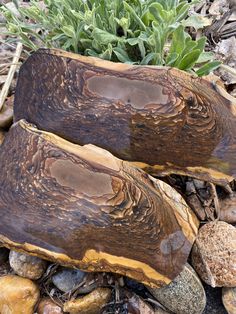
x,y
207,68
103,37
189,60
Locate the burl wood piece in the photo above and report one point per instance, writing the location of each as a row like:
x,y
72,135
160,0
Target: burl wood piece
x,y
164,119
81,206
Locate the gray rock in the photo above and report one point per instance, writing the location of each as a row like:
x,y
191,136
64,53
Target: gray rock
x,y
67,279
184,295
27,266
3,255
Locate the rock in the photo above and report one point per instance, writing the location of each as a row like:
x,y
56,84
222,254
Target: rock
x,y
47,306
136,304
92,303
67,279
229,299
184,295
214,254
17,295
160,311
27,266
4,253
228,209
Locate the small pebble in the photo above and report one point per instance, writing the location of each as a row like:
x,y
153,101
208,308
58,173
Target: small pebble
x,y
92,303
228,209
4,253
47,306
136,304
27,266
184,295
66,279
229,299
214,254
17,295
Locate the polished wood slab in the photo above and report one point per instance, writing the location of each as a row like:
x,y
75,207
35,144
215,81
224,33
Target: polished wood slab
x,y
81,206
164,120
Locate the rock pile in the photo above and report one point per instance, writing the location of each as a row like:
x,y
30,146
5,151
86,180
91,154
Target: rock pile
x,y
33,285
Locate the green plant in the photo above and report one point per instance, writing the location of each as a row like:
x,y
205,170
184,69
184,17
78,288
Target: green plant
x,y
131,31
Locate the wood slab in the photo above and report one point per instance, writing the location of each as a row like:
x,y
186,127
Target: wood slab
x,y
82,207
163,119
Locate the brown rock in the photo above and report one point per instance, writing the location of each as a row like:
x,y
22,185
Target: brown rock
x,y
17,295
228,209
26,265
229,299
185,295
214,254
47,306
136,304
89,304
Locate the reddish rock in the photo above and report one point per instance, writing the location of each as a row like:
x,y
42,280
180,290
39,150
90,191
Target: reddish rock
x,y
47,306
214,254
229,299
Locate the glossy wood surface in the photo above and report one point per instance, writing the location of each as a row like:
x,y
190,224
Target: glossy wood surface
x,y
81,206
164,120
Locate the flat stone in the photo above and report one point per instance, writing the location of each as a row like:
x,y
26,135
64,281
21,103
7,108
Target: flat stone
x,y
184,295
136,304
27,266
228,209
66,279
229,299
17,295
214,254
47,306
92,303
4,253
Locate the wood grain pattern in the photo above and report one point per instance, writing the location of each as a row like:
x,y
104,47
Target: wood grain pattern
x,y
81,206
163,119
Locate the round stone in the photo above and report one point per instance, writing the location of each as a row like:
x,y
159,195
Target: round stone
x,y
27,266
17,295
47,306
91,303
184,295
66,279
214,254
229,299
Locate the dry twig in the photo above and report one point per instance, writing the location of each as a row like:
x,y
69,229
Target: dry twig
x,y
6,86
